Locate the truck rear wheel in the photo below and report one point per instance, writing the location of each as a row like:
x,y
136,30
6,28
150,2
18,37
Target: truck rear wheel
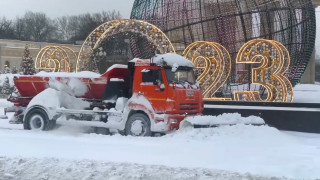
x,y
37,119
138,125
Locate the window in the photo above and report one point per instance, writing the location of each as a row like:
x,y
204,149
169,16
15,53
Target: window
x,y
181,75
151,76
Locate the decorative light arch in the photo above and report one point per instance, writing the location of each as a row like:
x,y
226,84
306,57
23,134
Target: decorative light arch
x,y
56,58
110,28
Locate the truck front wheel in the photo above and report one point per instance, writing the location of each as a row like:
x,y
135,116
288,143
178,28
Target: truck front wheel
x,y
37,119
138,125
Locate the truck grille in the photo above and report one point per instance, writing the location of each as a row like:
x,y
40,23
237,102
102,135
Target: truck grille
x,y
189,106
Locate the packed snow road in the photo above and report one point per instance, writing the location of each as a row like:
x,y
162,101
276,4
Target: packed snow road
x,y
187,154
52,168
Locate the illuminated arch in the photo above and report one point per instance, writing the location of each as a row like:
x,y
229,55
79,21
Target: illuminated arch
x,y
56,58
147,30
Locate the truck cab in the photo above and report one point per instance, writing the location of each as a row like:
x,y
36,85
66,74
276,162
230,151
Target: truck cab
x,y
168,84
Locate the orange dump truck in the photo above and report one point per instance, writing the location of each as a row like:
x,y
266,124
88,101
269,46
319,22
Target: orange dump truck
x,y
141,98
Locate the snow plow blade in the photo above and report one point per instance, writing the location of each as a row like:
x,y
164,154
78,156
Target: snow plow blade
x,y
221,120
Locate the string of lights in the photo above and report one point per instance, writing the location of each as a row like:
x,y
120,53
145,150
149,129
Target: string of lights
x,y
56,58
92,44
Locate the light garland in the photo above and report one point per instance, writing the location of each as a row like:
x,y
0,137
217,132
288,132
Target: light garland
x,y
56,58
274,61
247,96
214,63
93,41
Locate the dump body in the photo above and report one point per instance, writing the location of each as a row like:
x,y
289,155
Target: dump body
x,y
30,86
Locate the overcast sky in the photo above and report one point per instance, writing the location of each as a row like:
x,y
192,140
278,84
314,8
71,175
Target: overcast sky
x,y
57,8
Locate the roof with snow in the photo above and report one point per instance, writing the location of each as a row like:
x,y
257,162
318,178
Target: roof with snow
x,y
169,59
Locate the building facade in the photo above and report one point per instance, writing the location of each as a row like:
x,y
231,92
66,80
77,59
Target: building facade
x,y
12,51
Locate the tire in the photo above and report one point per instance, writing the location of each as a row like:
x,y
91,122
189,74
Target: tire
x,y
138,125
37,119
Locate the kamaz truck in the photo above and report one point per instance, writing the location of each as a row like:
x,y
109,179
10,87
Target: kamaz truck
x,y
144,97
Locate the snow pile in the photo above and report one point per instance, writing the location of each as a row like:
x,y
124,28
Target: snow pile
x,y
255,149
232,132
121,103
172,59
175,67
307,87
52,99
50,168
72,86
4,104
224,119
78,87
84,74
306,93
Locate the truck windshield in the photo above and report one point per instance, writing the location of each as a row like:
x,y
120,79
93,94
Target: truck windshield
x,y
181,76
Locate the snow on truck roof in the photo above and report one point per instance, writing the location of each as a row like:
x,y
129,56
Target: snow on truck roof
x,y
169,59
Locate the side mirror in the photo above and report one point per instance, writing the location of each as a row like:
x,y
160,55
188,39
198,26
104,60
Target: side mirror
x,y
162,87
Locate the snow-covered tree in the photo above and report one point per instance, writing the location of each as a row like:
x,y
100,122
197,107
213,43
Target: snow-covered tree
x,y
27,64
7,70
6,87
14,70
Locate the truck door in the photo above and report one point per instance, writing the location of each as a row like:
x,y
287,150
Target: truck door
x,y
154,89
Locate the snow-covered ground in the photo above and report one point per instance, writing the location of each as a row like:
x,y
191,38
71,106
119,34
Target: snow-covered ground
x,y
307,93
230,152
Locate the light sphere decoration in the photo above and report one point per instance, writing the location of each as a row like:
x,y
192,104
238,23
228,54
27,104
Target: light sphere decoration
x,y
232,23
